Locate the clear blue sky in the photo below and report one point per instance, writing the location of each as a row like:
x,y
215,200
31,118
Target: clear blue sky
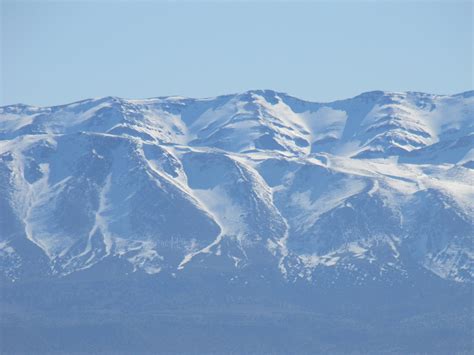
x,y
54,53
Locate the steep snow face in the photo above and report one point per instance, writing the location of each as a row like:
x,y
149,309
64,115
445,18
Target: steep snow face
x,y
409,121
89,196
240,203
378,124
254,121
374,187
344,212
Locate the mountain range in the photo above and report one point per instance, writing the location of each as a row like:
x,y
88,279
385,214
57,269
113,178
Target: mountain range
x,y
375,188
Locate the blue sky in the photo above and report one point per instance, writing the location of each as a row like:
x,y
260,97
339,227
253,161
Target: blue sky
x,y
54,52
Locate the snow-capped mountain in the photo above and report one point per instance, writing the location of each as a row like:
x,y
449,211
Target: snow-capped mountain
x,y
376,187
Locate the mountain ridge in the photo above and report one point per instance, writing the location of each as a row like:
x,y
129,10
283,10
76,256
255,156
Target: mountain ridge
x,y
467,93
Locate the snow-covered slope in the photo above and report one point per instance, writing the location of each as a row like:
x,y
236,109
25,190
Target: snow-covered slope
x,y
376,187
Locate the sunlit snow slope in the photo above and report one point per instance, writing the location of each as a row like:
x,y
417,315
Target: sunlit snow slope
x,y
376,187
